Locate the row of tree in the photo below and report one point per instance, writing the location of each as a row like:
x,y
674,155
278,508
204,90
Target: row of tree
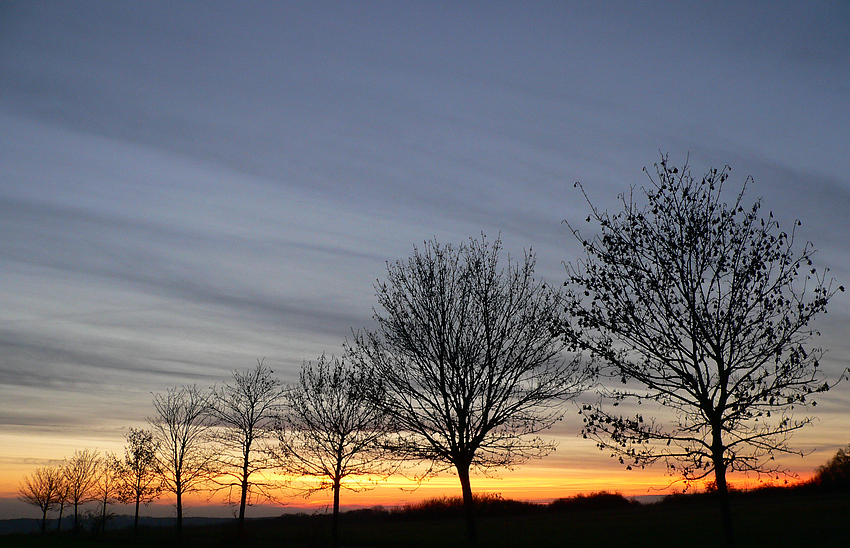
x,y
88,477
682,300
235,439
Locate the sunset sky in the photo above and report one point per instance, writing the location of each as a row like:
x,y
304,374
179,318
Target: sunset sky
x,y
187,187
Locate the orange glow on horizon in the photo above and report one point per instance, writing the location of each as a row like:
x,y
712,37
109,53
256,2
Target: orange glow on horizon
x,y
575,468
525,486
540,485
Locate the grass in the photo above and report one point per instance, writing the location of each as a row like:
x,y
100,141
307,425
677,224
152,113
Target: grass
x,y
774,518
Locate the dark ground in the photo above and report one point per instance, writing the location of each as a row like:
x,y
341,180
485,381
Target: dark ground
x,y
769,517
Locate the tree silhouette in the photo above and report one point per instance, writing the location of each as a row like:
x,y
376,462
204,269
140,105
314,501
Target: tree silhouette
x,y
836,472
182,432
703,308
139,471
106,488
244,414
62,497
81,475
469,357
42,490
332,430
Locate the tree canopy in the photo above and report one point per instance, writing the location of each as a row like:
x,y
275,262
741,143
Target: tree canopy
x,y
469,357
704,308
139,471
42,489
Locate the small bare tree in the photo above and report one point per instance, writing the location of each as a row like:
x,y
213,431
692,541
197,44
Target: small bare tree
x,y
139,471
703,308
81,474
42,490
182,433
106,489
470,358
333,431
244,415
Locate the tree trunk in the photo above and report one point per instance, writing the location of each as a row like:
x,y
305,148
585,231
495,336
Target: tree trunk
x,y
179,493
103,515
722,490
244,499
76,516
136,520
335,522
59,521
44,521
468,504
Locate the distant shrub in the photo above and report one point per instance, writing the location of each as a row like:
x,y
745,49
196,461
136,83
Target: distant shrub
x,y
486,504
602,500
772,489
366,514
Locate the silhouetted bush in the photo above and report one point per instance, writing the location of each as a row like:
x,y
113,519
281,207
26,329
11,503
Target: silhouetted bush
x,y
602,500
374,513
764,491
487,504
686,498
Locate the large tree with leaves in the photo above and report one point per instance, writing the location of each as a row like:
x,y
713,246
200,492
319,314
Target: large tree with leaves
x,y
333,432
469,357
703,308
243,414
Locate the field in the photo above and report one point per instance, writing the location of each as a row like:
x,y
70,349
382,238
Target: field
x,y
775,518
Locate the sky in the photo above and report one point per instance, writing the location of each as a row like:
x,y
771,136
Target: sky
x,y
188,187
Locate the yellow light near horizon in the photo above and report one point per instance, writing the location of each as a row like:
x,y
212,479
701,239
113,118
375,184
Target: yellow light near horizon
x,y
577,469
26,451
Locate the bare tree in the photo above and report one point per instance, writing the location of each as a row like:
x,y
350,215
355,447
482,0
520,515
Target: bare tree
x,y
81,474
63,497
333,431
469,356
703,308
42,490
244,414
139,471
181,430
106,489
